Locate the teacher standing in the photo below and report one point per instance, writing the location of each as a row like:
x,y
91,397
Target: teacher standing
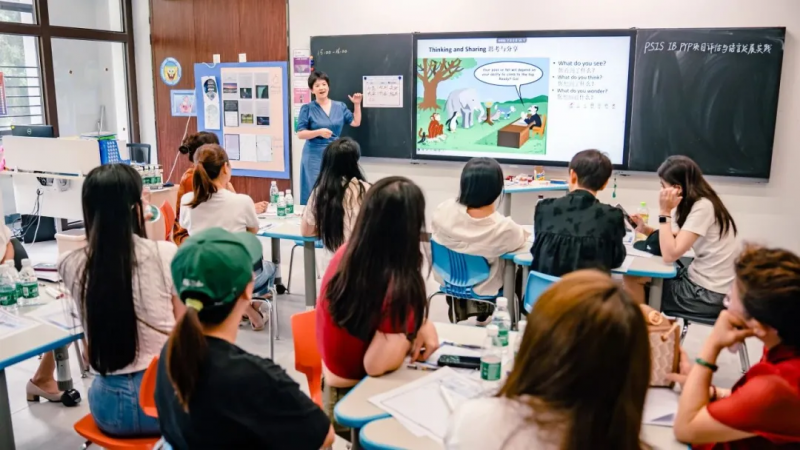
x,y
320,123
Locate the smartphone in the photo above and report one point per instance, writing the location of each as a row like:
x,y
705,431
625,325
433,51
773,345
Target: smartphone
x,y
627,216
460,362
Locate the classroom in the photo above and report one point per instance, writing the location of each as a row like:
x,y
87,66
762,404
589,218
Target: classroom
x,y
399,225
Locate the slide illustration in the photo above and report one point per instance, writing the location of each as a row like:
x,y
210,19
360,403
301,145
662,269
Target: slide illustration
x,y
482,106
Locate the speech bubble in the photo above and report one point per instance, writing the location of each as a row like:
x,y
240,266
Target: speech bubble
x,y
509,73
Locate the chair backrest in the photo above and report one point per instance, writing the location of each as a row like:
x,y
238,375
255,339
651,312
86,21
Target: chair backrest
x,y
168,212
147,391
458,269
537,284
140,153
307,359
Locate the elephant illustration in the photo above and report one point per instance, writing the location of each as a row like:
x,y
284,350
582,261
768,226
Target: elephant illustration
x,y
464,101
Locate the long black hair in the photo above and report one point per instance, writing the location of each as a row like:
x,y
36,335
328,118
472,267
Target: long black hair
x,y
112,212
682,171
339,167
382,262
481,183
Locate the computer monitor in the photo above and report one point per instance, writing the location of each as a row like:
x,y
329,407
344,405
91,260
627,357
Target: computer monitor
x,y
40,131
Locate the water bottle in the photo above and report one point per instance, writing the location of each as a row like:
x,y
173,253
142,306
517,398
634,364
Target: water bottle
x,y
502,319
491,358
29,282
8,289
289,203
273,192
645,215
281,206
520,332
15,275
159,177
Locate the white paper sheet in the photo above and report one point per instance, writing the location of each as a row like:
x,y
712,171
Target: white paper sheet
x,y
660,407
637,253
383,91
247,148
232,146
263,148
60,313
211,105
11,324
626,264
420,406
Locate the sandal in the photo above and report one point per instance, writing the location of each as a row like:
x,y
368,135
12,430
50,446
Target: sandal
x,y
263,317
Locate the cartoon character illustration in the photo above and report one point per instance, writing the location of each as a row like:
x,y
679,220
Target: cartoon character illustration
x,y
171,72
210,88
186,105
422,136
504,113
465,102
435,127
533,119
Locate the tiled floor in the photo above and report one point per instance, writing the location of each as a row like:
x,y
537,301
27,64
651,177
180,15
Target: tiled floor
x,y
49,426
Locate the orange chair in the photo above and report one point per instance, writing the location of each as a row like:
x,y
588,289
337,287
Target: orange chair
x,y
88,429
540,130
306,355
147,391
168,212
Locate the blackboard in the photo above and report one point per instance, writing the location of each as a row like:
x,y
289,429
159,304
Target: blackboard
x,y
384,132
710,94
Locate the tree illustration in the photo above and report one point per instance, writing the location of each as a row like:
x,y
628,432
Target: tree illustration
x,y
433,71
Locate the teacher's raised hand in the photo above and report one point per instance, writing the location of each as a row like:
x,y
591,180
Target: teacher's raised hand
x,y
356,98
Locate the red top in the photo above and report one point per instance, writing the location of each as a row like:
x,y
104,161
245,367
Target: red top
x,y
766,402
343,353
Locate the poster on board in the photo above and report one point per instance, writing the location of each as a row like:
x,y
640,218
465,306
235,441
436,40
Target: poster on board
x,y
182,102
211,110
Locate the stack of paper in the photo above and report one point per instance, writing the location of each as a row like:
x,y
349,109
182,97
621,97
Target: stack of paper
x,y
421,405
59,313
660,407
11,324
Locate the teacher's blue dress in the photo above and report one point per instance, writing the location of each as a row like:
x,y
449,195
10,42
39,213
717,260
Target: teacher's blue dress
x,y
313,117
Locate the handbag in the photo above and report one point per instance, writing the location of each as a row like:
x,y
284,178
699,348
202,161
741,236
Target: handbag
x,y
665,351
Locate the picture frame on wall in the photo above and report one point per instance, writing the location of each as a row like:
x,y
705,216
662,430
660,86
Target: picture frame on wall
x,y
183,103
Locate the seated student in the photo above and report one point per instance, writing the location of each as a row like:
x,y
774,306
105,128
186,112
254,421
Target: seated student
x,y
471,224
373,308
211,205
579,381
577,231
202,373
763,409
337,195
691,216
123,288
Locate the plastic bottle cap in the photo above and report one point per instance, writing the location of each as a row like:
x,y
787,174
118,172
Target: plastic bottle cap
x,y
502,302
643,203
492,330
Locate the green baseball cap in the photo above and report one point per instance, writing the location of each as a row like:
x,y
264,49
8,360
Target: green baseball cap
x,y
214,266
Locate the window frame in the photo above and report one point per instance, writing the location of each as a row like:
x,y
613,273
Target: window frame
x,y
45,33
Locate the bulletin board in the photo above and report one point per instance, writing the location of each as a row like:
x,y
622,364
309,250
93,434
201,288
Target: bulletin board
x,y
246,106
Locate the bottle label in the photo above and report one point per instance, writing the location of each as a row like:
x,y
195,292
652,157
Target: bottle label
x,y
490,371
289,209
281,211
273,198
502,335
19,291
7,296
30,289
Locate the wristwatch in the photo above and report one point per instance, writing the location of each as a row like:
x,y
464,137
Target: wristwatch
x,y
663,219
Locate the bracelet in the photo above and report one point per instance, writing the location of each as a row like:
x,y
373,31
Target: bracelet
x,y
706,364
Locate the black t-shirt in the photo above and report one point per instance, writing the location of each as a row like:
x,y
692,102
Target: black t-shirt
x,y
242,401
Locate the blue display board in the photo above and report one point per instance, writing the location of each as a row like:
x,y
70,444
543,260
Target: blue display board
x,y
215,70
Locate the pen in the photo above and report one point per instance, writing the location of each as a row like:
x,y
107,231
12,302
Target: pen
x,y
425,368
453,344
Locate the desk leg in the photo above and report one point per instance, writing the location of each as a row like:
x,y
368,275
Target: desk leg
x,y
526,271
6,428
355,444
509,286
63,375
507,204
275,250
656,288
310,265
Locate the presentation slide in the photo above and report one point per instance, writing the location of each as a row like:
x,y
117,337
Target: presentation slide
x,y
522,98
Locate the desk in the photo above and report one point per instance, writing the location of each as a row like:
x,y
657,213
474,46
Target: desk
x,y
388,434
289,228
536,187
24,345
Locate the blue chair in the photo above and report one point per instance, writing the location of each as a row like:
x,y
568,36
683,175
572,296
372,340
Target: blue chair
x,y
317,245
536,285
460,273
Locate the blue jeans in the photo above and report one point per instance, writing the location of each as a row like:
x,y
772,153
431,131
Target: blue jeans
x,y
114,403
265,277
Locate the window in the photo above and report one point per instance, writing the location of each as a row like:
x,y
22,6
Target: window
x,y
66,63
19,64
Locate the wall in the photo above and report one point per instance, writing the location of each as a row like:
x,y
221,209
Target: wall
x,y
191,32
144,76
765,212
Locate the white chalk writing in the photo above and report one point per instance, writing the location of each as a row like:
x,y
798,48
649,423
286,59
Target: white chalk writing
x,y
711,48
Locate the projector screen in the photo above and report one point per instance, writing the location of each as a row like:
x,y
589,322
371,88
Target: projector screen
x,y
523,97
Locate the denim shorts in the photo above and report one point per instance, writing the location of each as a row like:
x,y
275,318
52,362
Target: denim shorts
x,y
114,403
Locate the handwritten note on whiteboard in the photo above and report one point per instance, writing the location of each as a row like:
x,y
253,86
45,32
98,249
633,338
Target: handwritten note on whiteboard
x,y
383,91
